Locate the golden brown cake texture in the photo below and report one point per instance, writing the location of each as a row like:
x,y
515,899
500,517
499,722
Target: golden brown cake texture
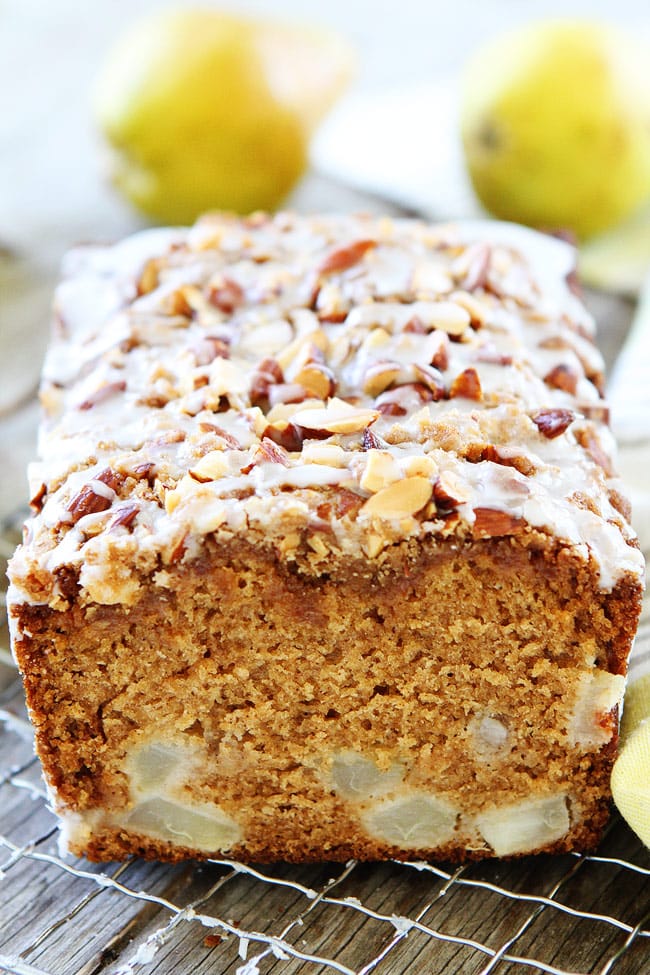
x,y
328,556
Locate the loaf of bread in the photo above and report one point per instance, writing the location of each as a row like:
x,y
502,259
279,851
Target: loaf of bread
x,y
328,556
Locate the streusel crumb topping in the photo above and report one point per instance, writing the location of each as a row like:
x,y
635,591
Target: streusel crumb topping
x,y
330,384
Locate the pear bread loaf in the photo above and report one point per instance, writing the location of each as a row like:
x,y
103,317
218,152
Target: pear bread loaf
x,y
328,556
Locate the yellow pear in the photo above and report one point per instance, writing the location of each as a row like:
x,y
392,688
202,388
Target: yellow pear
x,y
555,123
203,109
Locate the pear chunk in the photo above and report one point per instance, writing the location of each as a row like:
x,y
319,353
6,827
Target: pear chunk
x,y
416,821
199,827
357,778
526,826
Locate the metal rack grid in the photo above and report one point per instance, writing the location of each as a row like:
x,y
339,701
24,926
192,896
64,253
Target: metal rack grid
x,y
564,915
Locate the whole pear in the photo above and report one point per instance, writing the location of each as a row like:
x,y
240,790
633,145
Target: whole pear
x,y
203,109
555,123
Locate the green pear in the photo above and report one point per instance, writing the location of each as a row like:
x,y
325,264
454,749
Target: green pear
x,y
555,126
203,109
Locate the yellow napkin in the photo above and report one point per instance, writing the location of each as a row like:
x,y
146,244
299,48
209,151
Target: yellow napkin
x,y
629,397
631,772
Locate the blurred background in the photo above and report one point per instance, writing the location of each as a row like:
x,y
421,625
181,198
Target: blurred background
x,y
391,142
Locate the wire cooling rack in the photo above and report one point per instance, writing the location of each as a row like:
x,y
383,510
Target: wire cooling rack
x,y
564,915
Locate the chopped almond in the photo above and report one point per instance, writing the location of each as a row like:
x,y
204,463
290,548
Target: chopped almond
x,y
491,523
345,257
552,423
467,385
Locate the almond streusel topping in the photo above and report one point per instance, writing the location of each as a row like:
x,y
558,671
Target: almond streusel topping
x,y
339,383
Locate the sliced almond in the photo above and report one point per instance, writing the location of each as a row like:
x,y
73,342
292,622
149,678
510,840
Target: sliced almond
x,y
303,352
286,435
588,438
467,385
337,417
87,502
473,266
401,499
440,358
555,342
339,350
201,309
306,322
283,412
432,379
124,517
267,452
225,294
449,317
552,423
489,353
403,399
268,374
37,498
507,458
391,408
379,376
477,310
102,394
381,470
176,303
149,277
415,326
330,303
491,523
317,379
374,340
345,257
287,393
210,348
186,486
562,377
308,346
450,491
218,431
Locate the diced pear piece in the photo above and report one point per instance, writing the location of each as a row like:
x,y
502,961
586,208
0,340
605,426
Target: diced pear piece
x,y
490,737
152,765
597,695
526,826
197,827
416,821
357,778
